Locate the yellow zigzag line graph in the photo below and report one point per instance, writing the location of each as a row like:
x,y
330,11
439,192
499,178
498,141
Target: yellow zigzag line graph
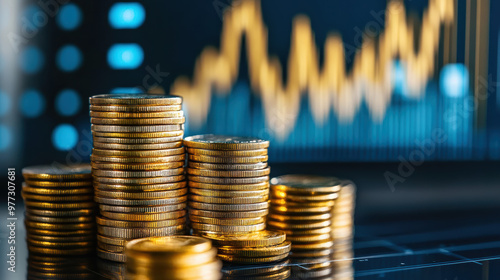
x,y
331,87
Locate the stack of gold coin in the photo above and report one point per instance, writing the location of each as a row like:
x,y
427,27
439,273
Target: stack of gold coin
x,y
228,183
59,219
172,257
301,206
250,248
138,169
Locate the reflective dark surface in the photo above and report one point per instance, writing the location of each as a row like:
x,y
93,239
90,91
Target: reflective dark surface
x,y
460,240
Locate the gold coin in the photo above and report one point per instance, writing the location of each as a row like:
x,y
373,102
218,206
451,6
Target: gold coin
x,y
139,232
68,252
243,260
110,248
297,218
252,271
138,174
233,181
135,128
227,229
142,209
229,215
222,166
36,231
141,160
137,141
228,160
110,256
135,99
252,239
58,259
125,115
203,192
227,222
56,198
112,240
229,173
56,191
298,232
223,142
60,213
140,188
57,172
168,260
239,187
135,108
159,146
228,200
142,121
298,210
61,239
56,184
311,253
145,167
224,153
208,270
144,217
313,246
50,226
140,202
56,220
309,238
228,207
306,184
303,198
138,153
139,181
300,225
48,244
256,252
167,245
140,135
139,224
60,206
142,195
303,204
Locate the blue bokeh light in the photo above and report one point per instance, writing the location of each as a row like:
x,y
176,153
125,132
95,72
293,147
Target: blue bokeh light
x,y
5,137
64,137
69,58
32,60
399,78
68,102
126,90
32,103
69,17
126,15
5,103
125,56
454,80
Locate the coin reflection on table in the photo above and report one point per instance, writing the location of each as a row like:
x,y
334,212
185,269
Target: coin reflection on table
x,y
276,270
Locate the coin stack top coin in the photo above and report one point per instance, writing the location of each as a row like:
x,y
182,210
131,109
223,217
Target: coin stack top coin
x,y
301,206
138,169
173,257
59,220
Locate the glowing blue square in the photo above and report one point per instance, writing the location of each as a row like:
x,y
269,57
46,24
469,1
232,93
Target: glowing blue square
x,y
126,15
125,56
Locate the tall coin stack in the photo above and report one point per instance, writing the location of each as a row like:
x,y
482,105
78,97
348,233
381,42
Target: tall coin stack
x,y
172,257
302,206
138,169
229,191
60,221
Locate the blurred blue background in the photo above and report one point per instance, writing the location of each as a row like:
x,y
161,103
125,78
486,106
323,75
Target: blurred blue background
x,y
54,56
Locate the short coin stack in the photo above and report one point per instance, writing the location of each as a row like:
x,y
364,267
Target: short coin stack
x,y
228,183
251,248
138,169
59,219
301,206
172,257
